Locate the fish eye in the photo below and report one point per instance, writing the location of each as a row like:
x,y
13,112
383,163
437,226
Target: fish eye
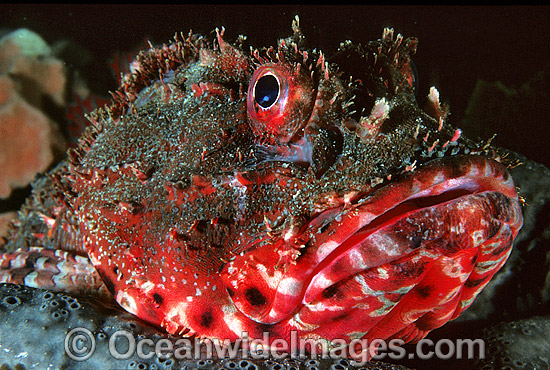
x,y
266,90
267,93
279,100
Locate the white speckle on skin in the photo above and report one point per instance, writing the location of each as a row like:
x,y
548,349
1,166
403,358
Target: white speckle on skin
x,y
383,273
290,286
271,280
357,259
233,322
322,306
288,234
325,249
126,301
147,286
477,237
296,322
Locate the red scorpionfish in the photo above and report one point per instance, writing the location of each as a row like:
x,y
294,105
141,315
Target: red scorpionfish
x,y
223,191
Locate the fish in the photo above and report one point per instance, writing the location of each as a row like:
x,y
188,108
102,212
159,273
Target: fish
x,y
277,191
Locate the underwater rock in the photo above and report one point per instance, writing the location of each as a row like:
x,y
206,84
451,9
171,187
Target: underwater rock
x,y
522,344
39,328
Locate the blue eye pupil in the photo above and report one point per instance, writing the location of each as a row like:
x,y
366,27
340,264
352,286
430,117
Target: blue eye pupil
x,y
266,91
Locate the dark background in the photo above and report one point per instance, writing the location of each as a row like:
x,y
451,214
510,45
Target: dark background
x,y
459,45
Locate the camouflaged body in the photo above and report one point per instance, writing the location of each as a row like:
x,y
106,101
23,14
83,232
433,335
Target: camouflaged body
x,y
338,210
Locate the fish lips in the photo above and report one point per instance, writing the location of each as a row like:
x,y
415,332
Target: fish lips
x,y
447,205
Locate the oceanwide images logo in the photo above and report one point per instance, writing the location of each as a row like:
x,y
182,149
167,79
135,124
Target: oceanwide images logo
x,y
81,344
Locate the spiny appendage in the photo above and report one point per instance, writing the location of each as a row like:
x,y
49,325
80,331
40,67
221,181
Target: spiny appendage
x,y
389,55
151,65
52,269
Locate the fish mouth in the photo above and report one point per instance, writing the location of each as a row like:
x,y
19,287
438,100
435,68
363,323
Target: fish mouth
x,y
448,205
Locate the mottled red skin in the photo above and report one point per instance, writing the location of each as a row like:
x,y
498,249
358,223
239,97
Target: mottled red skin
x,y
342,211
